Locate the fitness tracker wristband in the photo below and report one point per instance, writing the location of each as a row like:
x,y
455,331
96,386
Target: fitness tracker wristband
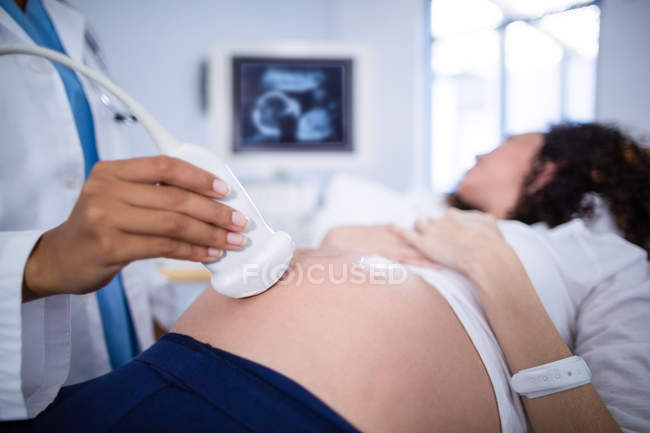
x,y
551,378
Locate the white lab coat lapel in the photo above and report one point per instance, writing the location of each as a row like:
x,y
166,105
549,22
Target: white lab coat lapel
x,y
69,25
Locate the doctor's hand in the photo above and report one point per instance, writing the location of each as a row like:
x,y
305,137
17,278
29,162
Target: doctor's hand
x,y
130,210
461,240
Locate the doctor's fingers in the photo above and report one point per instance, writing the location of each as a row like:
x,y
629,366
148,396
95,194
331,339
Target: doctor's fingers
x,y
136,247
176,226
163,169
175,199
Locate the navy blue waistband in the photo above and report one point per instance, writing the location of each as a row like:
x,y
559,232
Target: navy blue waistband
x,y
255,395
180,384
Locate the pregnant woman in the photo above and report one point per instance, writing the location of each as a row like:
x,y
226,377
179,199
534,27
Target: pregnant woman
x,y
349,339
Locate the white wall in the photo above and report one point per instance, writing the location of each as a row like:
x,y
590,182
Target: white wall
x,y
396,32
154,48
624,65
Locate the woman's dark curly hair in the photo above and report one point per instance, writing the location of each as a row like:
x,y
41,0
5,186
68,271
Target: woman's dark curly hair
x,y
590,158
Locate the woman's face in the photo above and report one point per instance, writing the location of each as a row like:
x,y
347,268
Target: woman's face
x,y
494,183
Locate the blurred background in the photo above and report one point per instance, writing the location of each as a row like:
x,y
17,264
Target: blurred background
x,y
435,81
450,77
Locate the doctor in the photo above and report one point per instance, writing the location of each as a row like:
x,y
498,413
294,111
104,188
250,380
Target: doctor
x,y
75,298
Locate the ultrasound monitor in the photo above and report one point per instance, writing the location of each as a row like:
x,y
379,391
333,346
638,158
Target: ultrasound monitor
x,y
292,104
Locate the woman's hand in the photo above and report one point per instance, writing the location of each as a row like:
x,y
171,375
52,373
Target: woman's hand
x,y
379,240
459,240
470,242
130,210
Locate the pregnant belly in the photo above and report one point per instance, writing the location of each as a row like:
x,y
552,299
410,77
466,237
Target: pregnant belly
x,y
383,350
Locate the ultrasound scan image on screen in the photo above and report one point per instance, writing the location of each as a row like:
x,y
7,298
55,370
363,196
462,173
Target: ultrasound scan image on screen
x,y
292,104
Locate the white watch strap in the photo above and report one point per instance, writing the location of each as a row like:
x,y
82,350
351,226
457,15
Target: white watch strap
x,y
552,377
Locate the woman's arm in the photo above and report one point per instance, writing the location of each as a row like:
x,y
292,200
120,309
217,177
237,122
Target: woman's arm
x,y
471,243
528,338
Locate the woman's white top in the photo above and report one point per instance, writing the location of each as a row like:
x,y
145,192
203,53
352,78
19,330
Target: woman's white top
x,y
594,285
57,340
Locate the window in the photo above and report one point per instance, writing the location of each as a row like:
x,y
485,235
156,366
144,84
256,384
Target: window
x,y
502,67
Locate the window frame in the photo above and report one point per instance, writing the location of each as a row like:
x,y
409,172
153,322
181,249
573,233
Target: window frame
x,y
509,17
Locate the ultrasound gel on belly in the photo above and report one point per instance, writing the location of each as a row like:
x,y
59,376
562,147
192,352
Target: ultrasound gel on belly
x,y
381,268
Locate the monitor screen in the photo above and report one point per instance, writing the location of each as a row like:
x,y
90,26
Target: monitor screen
x,y
292,104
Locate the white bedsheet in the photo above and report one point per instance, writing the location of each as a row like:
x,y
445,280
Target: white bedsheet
x,y
594,285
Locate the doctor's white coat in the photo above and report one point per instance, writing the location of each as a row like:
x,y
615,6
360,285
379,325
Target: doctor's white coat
x,y
58,340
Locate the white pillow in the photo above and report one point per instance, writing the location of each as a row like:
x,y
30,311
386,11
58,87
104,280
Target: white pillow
x,y
352,200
